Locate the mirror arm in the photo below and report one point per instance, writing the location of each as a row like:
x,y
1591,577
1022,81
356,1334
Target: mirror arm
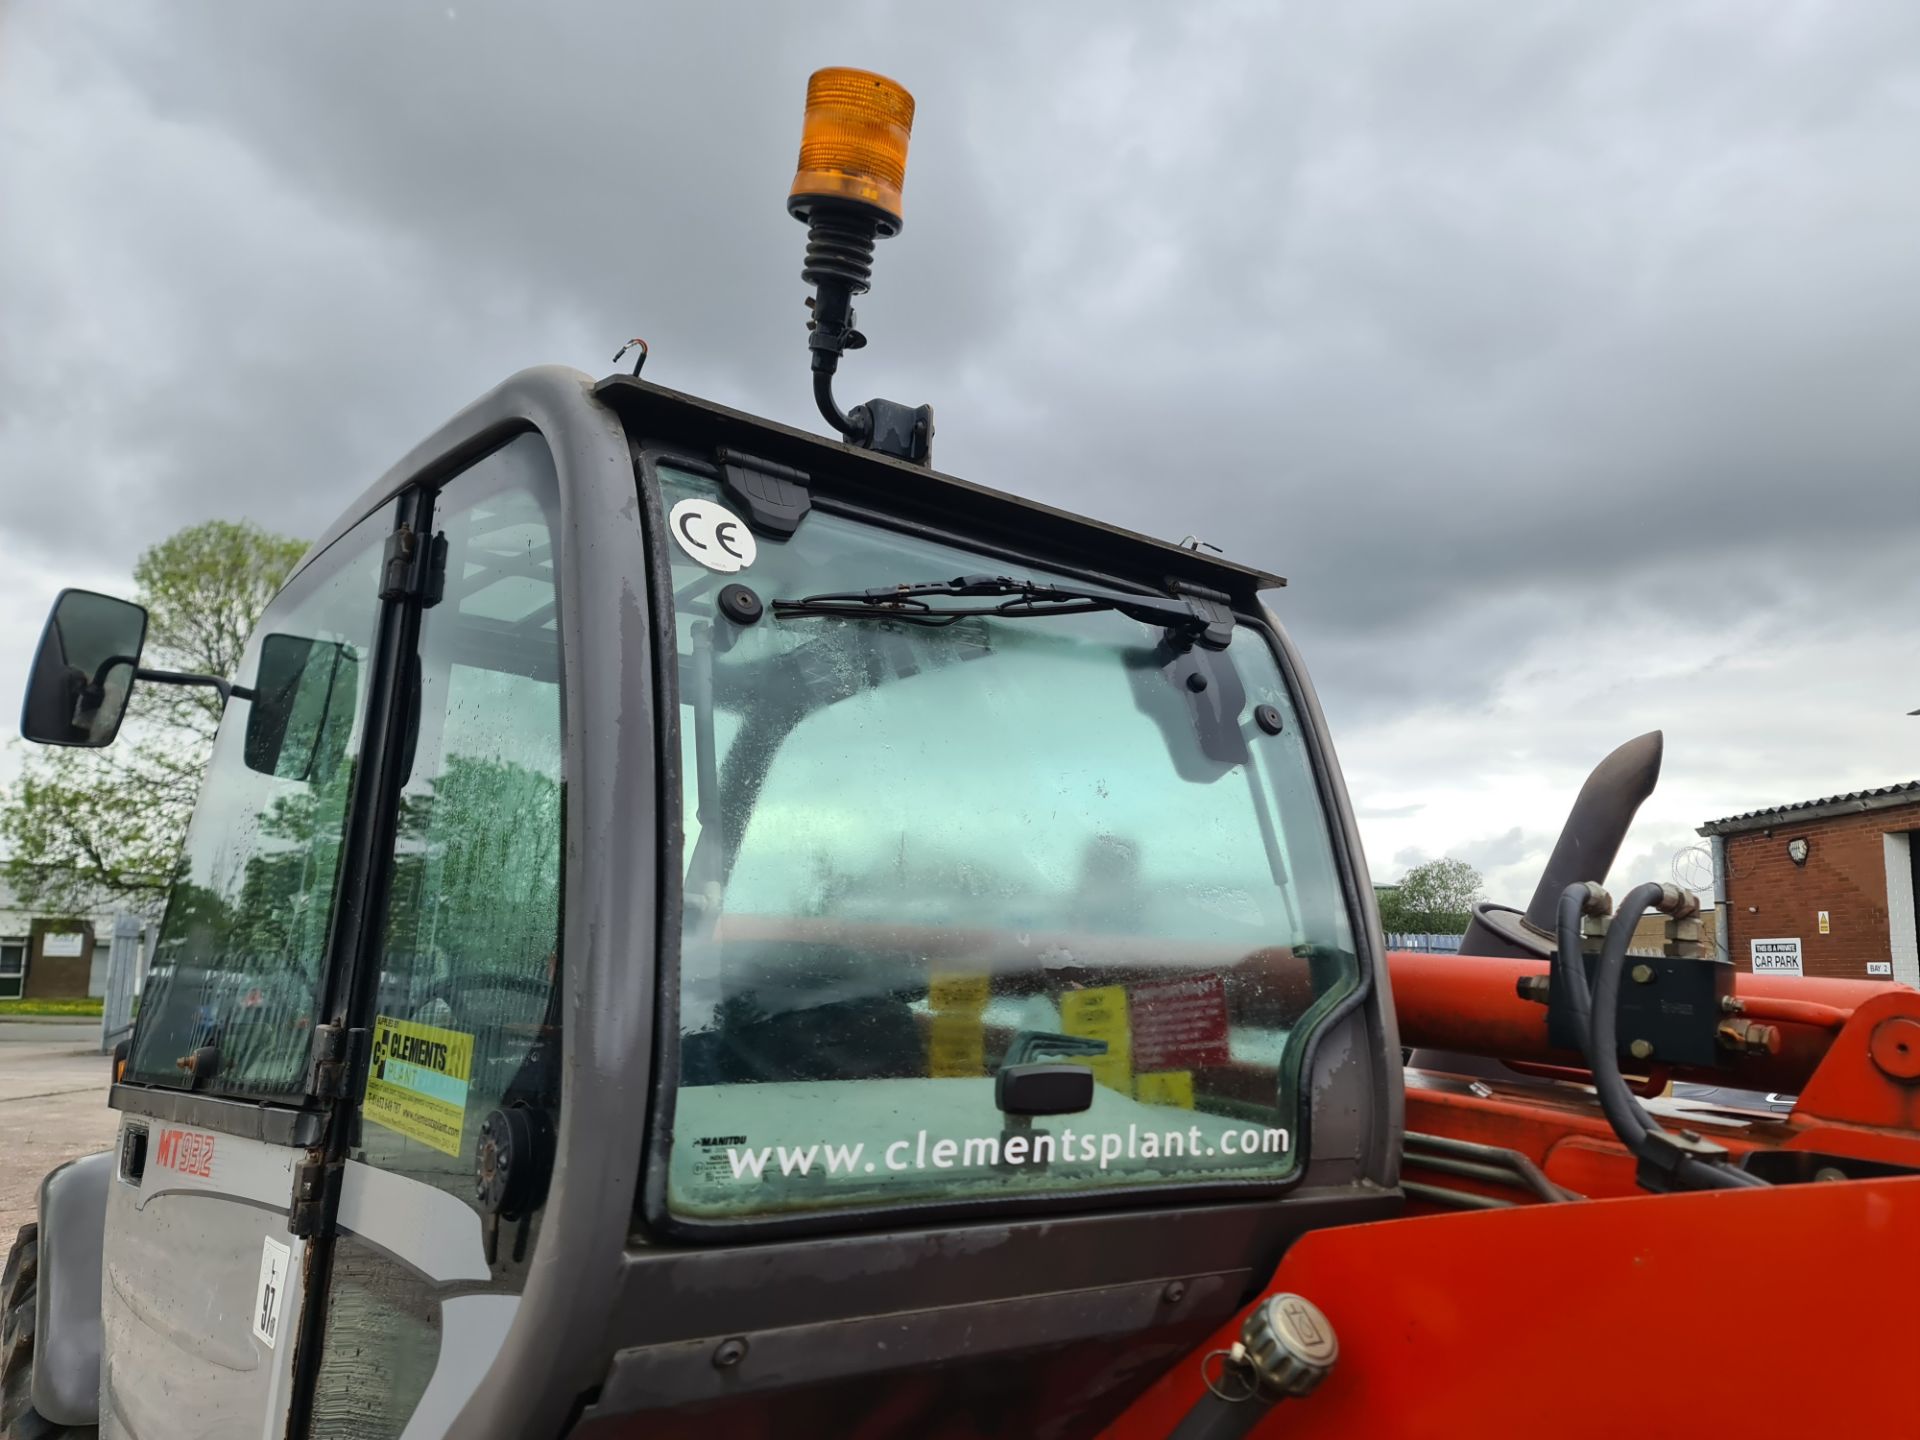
x,y
175,677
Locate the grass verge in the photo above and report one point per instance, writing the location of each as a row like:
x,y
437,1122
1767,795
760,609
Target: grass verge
x,y
30,1008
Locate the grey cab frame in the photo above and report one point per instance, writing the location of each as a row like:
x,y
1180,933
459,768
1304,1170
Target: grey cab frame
x,y
814,1300
622,1308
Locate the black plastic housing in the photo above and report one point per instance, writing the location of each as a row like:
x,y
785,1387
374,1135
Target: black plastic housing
x,y
1676,1008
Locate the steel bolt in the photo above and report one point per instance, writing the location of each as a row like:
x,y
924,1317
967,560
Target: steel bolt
x,y
1643,974
1641,1049
729,1353
1175,1292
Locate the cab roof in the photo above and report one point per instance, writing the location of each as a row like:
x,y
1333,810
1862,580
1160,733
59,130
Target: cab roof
x,y
655,413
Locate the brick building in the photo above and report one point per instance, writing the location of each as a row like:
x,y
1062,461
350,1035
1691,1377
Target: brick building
x,y
1829,884
53,955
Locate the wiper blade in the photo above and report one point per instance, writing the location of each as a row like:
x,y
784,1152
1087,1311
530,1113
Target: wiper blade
x,y
1201,617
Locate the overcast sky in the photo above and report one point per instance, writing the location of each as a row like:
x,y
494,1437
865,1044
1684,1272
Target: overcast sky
x,y
1566,357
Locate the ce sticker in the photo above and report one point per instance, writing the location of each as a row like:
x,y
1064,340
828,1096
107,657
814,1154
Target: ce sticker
x,y
713,535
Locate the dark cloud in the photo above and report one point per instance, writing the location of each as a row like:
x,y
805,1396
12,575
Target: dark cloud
x,y
1562,356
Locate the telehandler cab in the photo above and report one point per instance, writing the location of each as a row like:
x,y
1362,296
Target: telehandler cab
x,y
696,929
690,919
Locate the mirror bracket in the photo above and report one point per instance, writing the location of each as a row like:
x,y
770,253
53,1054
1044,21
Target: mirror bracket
x,y
227,690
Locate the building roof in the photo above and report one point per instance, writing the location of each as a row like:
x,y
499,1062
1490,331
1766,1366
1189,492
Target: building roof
x,y
1854,802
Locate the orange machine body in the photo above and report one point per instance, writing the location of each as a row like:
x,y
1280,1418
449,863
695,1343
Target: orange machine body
x,y
1506,1309
1848,1050
1603,1319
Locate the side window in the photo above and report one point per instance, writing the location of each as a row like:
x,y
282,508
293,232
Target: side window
x,y
13,968
242,951
467,1016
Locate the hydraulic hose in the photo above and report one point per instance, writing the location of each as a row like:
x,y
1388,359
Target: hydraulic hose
x,y
1569,972
1630,1122
1622,1110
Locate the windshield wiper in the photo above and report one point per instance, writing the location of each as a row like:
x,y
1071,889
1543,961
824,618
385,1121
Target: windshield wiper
x,y
1200,617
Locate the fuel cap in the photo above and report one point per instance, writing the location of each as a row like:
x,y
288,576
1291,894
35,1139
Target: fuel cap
x,y
1288,1345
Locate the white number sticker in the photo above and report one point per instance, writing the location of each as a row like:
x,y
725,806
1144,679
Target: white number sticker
x,y
272,1295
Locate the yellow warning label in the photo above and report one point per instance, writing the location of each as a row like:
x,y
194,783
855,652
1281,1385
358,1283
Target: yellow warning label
x,y
417,1083
950,990
957,1045
1167,1087
1102,1015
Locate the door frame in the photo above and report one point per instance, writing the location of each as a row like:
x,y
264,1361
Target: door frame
x,y
550,1355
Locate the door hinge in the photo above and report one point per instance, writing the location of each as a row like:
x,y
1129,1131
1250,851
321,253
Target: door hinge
x,y
408,574
309,1196
330,1064
775,497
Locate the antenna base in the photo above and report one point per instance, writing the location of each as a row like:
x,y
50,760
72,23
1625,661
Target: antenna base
x,y
839,265
902,431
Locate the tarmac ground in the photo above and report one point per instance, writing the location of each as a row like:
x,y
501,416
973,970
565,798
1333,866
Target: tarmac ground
x,y
53,1107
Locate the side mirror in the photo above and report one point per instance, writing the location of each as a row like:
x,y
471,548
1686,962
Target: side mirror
x,y
83,672
304,699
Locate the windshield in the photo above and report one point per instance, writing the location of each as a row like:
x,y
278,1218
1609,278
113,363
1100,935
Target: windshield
x,y
914,856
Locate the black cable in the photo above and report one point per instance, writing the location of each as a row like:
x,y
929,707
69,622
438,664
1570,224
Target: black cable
x,y
829,407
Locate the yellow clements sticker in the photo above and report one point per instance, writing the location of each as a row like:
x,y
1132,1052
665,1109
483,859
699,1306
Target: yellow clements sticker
x,y
418,1082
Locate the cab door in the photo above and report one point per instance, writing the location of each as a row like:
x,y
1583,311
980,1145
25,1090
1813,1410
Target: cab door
x,y
451,1119
202,1273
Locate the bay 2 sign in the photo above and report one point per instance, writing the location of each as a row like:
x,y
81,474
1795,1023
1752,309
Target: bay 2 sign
x,y
1776,957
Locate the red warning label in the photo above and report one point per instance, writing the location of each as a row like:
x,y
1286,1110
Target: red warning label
x,y
1179,1024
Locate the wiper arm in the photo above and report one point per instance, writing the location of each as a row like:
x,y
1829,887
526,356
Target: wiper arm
x,y
1198,616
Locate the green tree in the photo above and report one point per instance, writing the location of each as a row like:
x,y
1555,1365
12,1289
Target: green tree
x,y
1436,898
78,824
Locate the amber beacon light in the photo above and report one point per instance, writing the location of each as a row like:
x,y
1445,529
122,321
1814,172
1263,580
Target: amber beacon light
x,y
847,188
853,146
